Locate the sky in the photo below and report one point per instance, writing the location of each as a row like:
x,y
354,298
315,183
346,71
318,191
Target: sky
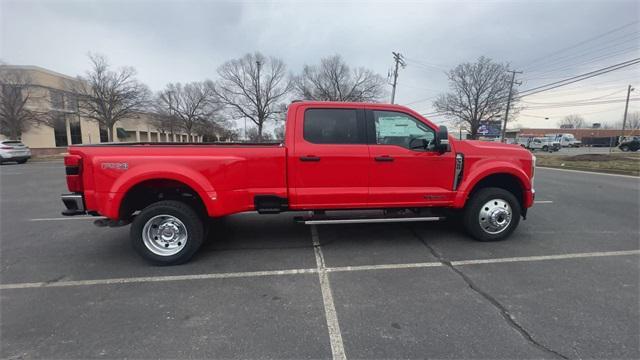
x,y
183,41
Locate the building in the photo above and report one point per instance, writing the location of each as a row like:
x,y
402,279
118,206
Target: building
x,y
49,92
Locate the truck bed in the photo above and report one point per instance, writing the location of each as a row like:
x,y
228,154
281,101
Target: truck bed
x,y
226,176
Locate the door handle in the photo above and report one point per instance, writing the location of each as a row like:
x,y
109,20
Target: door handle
x,y
383,158
309,158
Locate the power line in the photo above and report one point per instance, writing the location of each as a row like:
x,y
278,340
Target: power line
x,y
588,52
581,77
528,66
425,64
609,55
595,98
421,100
591,103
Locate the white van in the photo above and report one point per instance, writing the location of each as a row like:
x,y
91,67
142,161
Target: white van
x,y
565,140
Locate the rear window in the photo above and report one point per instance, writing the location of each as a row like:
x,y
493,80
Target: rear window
x,y
333,126
12,142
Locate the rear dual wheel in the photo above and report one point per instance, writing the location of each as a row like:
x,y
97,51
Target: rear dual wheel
x,y
491,214
167,232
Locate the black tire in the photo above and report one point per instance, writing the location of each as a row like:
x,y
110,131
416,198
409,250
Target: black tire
x,y
189,218
474,206
545,148
625,148
23,161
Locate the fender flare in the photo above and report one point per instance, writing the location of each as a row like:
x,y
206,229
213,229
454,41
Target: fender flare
x,y
484,169
139,174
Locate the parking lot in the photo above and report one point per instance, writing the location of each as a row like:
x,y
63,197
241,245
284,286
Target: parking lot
x,y
565,285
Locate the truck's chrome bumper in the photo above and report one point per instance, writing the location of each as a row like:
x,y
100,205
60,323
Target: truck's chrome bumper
x,y
74,204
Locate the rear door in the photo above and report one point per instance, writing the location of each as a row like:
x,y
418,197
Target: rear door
x,y
329,164
403,172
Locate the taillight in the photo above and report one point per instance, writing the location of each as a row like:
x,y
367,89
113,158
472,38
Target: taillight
x,y
73,170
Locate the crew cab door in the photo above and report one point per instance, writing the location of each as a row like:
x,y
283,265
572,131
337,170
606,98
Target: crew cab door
x,y
404,172
329,164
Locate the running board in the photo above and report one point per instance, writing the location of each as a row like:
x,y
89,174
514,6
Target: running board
x,y
330,221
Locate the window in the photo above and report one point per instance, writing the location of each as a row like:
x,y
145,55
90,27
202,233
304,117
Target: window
x,y
72,103
76,131
394,128
60,130
12,94
57,100
104,135
333,126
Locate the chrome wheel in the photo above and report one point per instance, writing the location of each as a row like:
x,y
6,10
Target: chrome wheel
x,y
164,235
495,216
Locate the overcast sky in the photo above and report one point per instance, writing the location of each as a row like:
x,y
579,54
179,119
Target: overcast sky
x,y
182,41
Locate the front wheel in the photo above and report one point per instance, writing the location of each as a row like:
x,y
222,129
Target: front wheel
x,y
625,148
491,214
167,233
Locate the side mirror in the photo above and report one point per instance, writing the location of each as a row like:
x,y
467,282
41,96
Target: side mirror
x,y
442,140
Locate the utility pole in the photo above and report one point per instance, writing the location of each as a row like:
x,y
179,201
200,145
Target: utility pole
x,y
626,109
397,57
506,115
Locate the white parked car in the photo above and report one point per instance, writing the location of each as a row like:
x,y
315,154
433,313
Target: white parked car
x,y
14,150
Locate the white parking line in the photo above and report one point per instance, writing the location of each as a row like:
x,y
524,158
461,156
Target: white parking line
x,y
384,267
588,172
543,201
158,279
335,336
322,270
546,257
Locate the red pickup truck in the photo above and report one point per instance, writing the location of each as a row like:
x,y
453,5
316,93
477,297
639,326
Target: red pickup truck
x,y
335,156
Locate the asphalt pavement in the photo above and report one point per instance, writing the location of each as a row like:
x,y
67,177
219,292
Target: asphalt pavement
x,y
564,285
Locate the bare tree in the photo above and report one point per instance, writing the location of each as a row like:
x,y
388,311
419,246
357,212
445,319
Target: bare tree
x,y
216,128
253,87
190,104
633,122
573,121
255,136
17,95
108,96
479,92
333,80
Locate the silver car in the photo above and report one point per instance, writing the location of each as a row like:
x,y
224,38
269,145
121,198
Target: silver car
x,y
14,150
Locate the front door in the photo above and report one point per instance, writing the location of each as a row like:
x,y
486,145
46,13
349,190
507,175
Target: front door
x,y
329,164
405,170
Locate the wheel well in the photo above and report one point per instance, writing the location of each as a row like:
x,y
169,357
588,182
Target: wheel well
x,y
150,191
503,181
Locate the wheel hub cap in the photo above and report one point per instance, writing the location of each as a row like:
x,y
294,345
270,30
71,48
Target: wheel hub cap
x,y
164,235
495,216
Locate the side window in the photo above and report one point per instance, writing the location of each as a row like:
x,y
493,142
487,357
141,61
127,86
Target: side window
x,y
395,128
333,126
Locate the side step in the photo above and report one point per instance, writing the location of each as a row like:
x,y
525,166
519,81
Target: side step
x,y
325,220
